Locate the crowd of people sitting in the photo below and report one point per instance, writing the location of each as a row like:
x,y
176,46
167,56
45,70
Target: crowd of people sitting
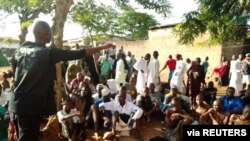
x,y
128,93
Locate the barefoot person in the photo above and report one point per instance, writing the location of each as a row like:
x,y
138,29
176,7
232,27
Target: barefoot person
x,y
243,119
33,85
215,114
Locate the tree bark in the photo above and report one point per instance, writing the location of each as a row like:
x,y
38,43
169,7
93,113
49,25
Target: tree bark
x,y
61,12
22,36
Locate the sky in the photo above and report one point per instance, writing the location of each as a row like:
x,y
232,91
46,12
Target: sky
x,y
10,26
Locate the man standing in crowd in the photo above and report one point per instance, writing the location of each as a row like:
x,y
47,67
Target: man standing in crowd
x,y
141,67
153,72
33,85
178,76
171,63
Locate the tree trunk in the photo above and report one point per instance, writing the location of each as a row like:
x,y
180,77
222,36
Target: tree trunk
x,y
22,36
61,12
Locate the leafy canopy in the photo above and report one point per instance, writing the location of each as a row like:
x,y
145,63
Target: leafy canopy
x,y
225,21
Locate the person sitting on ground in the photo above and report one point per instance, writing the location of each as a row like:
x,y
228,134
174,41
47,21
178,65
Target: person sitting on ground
x,y
123,90
201,107
100,116
243,119
245,97
147,103
230,102
98,95
76,82
175,118
185,103
209,93
89,81
131,89
4,82
215,114
157,95
110,84
74,67
125,114
68,118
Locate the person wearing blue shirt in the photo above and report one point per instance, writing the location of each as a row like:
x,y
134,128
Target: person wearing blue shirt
x,y
230,102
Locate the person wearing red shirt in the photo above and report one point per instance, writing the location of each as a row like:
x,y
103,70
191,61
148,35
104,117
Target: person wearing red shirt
x,y
170,63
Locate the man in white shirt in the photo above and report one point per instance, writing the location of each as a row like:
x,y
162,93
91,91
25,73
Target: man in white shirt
x,y
236,75
68,118
141,67
125,114
179,73
123,90
153,72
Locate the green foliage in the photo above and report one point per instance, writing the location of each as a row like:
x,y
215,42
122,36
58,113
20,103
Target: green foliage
x,y
99,20
3,61
27,10
95,18
225,21
134,25
159,6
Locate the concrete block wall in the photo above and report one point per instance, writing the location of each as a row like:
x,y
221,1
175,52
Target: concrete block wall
x,y
169,45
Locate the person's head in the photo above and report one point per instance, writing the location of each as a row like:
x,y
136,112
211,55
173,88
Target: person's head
x,y
247,55
122,98
99,88
230,92
179,57
146,91
155,54
77,46
87,79
85,91
4,75
106,94
233,57
217,105
103,80
198,60
129,53
152,87
223,59
79,76
240,57
67,105
210,84
206,58
123,90
42,32
170,56
188,60
119,56
246,112
174,90
10,73
176,102
247,94
147,57
199,99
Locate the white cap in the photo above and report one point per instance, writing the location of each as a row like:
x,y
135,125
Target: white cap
x,y
105,92
87,78
98,86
